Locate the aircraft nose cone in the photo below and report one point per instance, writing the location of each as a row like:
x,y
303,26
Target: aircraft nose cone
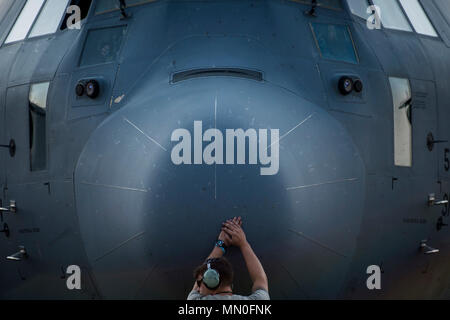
x,y
157,178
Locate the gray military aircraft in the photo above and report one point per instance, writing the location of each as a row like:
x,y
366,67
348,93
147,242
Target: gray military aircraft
x,y
131,129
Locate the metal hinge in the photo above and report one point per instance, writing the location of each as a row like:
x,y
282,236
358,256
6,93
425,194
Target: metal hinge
x,y
432,201
12,207
21,254
426,249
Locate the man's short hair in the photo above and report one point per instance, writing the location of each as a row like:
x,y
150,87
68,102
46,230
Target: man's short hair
x,y
222,266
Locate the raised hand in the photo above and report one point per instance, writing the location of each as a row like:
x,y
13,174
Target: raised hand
x,y
223,235
234,235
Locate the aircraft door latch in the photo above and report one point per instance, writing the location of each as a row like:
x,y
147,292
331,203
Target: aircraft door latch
x,y
21,254
432,201
11,146
12,207
431,142
426,249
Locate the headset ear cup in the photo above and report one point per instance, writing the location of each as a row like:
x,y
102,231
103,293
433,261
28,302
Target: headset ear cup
x,y
211,279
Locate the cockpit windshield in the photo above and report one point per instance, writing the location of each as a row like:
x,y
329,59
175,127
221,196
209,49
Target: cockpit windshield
x,y
4,8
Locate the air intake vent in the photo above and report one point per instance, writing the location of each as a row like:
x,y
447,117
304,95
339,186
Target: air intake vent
x,y
217,72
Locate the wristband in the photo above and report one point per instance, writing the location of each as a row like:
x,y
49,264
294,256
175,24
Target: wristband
x,y
220,244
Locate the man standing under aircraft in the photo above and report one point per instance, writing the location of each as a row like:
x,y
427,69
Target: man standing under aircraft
x,y
214,278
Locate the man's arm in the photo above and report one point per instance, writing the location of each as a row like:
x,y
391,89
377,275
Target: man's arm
x,y
255,268
216,251
236,236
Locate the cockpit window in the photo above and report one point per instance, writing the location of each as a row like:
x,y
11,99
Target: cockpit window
x,y
5,5
49,18
104,6
334,42
418,18
83,5
46,15
391,15
25,20
401,95
38,127
359,8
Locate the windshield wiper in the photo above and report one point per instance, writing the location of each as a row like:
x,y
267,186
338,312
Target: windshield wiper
x,y
312,11
123,6
406,104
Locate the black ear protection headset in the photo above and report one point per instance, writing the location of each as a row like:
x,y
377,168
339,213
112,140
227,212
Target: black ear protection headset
x,y
211,277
